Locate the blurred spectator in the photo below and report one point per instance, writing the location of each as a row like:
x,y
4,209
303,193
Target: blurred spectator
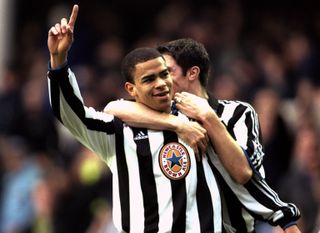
x,y
20,178
302,59
225,87
47,193
277,138
36,125
89,182
301,184
303,109
109,54
272,71
10,101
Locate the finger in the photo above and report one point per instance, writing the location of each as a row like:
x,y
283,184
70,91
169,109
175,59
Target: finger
x,y
73,16
177,95
184,94
187,94
197,154
177,100
53,31
207,137
63,25
204,155
202,146
58,27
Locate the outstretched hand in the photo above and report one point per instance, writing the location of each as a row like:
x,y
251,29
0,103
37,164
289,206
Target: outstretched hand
x,y
60,38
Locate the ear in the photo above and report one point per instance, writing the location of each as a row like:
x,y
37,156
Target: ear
x,y
193,73
130,88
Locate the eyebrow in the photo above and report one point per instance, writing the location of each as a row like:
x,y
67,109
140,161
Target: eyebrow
x,y
154,75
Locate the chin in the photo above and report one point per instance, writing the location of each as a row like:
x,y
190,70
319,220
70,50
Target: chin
x,y
166,108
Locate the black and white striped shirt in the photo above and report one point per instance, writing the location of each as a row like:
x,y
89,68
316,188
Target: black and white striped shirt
x,y
255,199
158,186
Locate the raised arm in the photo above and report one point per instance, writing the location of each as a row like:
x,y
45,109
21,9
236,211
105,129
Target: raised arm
x,y
138,115
92,128
228,150
60,39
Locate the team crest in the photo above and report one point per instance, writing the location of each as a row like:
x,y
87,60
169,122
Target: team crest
x,y
174,161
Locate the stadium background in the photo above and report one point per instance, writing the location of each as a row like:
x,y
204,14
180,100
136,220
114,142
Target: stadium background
x,y
263,52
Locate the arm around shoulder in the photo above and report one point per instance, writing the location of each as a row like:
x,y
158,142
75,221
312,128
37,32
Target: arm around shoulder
x,y
138,115
228,150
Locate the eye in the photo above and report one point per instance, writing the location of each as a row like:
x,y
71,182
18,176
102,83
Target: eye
x,y
148,79
164,74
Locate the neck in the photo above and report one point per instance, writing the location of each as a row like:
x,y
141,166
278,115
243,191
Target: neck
x,y
200,91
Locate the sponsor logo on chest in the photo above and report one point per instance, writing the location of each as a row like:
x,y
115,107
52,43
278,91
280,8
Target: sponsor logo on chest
x,y
174,161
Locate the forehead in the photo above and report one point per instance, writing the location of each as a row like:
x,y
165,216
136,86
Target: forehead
x,y
151,67
171,63
169,59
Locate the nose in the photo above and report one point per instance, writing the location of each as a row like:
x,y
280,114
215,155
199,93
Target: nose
x,y
160,82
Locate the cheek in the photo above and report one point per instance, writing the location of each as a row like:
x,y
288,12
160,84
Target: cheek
x,y
175,81
177,85
143,93
178,80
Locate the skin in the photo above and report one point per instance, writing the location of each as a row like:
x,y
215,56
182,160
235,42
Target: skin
x,y
292,229
189,82
152,85
60,39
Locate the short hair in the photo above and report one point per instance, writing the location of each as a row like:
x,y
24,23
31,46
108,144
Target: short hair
x,y
134,57
188,53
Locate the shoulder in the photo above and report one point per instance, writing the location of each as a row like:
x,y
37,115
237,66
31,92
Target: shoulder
x,y
236,105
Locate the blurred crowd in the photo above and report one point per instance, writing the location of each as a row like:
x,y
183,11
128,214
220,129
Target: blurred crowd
x,y
265,53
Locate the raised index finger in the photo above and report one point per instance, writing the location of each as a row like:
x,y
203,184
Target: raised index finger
x,y
73,16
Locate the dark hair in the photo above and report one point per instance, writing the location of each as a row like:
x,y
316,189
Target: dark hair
x,y
188,53
134,57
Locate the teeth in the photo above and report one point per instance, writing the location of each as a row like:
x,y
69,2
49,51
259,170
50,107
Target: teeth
x,y
161,94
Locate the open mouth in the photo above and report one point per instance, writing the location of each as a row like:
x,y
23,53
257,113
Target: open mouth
x,y
162,94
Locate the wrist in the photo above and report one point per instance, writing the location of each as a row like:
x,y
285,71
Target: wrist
x,y
174,123
57,61
290,226
208,118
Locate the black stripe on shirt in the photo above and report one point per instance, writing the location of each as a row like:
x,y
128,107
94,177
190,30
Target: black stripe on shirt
x,y
250,146
257,162
179,194
220,110
148,184
75,103
233,205
240,109
258,189
55,99
123,176
204,201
